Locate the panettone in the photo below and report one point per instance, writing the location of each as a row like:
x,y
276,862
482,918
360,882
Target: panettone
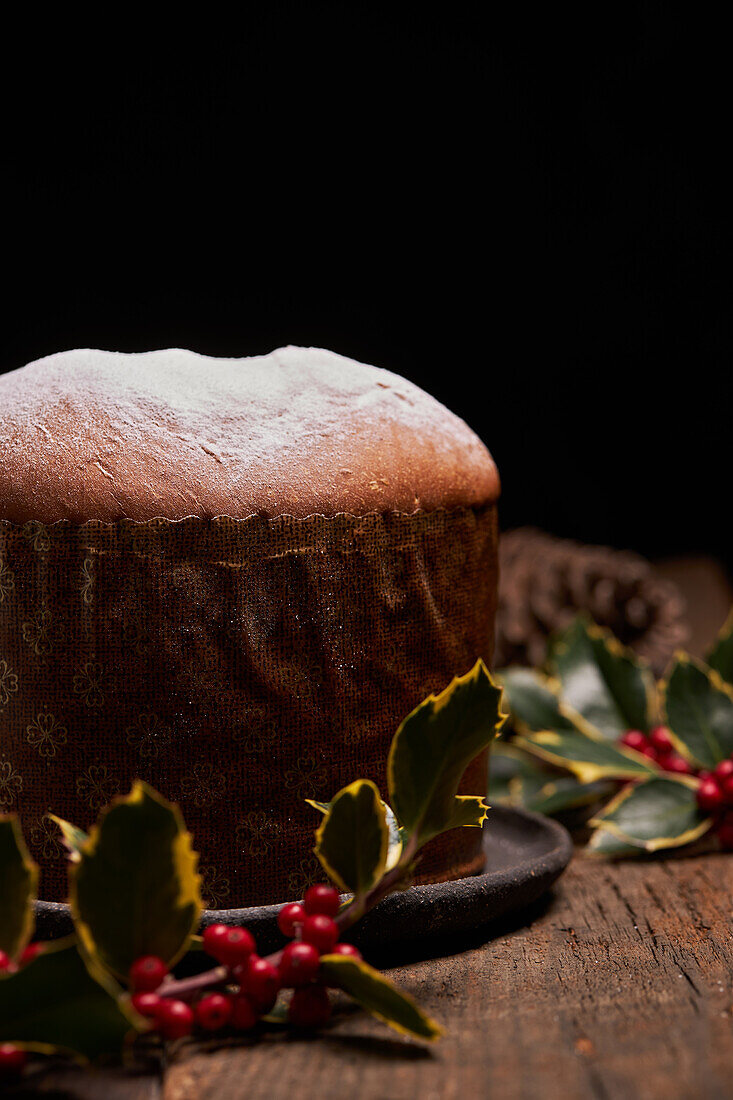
x,y
231,578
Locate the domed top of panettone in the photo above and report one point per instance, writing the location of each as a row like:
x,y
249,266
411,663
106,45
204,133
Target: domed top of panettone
x,y
106,435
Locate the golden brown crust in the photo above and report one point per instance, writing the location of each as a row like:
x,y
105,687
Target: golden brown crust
x,y
105,435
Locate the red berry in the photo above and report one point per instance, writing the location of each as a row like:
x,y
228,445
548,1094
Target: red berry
x,y
346,949
32,951
709,796
724,769
290,918
213,1011
174,1019
234,947
260,980
146,973
12,1060
299,964
725,833
6,963
661,740
147,1004
321,899
726,786
676,763
650,752
213,935
309,1007
321,931
244,1014
634,739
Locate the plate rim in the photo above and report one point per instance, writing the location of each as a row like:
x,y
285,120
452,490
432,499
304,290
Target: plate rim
x,y
539,871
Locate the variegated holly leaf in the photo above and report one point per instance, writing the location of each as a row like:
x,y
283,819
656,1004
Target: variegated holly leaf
x,y
516,776
136,890
608,846
352,841
533,700
378,996
60,1002
433,747
720,656
396,839
699,711
602,681
659,813
566,793
73,837
18,885
588,759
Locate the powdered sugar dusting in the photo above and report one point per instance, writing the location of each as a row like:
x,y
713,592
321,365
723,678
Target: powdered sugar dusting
x,y
100,435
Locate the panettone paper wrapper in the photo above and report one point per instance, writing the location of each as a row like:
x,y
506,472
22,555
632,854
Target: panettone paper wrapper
x,y
240,667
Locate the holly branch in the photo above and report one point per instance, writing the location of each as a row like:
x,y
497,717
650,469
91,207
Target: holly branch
x,y
135,898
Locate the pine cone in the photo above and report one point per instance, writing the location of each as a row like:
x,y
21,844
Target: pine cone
x,y
545,581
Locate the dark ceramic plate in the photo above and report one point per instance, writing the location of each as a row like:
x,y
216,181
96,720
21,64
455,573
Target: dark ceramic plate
x,y
525,853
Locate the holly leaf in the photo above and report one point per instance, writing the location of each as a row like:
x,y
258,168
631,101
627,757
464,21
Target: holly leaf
x,y
699,711
396,839
18,885
73,837
352,841
659,813
135,890
516,776
60,1002
605,683
566,793
433,747
586,758
606,845
378,996
533,700
519,779
720,656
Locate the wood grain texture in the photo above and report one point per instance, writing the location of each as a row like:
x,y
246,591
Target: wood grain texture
x,y
621,988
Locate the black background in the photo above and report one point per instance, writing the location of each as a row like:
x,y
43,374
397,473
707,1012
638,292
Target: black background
x,y
527,214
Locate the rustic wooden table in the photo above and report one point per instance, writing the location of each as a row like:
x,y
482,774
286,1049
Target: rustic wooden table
x,y
618,985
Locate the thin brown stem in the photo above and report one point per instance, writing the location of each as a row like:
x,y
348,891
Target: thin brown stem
x,y
220,975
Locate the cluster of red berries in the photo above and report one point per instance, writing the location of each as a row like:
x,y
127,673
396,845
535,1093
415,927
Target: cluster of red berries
x,y
12,1058
658,747
715,793
715,797
257,980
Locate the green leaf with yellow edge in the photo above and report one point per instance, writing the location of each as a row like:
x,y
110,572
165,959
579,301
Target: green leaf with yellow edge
x,y
520,779
60,1002
586,758
533,700
699,710
567,793
659,813
18,885
606,684
394,847
469,811
433,747
378,996
603,844
352,841
73,837
720,656
135,890
516,776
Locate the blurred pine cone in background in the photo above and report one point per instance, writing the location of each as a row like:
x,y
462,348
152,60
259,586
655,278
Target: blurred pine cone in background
x,y
545,581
